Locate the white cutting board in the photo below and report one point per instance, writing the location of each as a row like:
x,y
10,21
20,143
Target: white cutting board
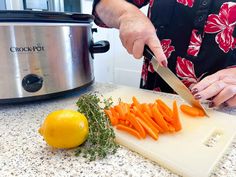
x,y
187,152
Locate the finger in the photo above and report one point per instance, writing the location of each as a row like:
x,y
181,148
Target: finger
x,y
127,43
226,94
204,83
155,46
138,48
231,102
211,91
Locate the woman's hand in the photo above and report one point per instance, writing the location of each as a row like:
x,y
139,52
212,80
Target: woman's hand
x,y
136,30
220,87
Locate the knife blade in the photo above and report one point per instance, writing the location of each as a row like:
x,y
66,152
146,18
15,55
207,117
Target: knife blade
x,y
172,80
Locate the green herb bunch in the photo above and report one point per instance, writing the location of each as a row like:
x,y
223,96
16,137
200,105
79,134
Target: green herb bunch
x,y
101,138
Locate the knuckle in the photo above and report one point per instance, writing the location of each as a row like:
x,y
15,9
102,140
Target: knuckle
x,y
230,90
219,85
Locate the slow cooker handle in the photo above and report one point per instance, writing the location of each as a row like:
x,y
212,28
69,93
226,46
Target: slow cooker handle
x,y
99,47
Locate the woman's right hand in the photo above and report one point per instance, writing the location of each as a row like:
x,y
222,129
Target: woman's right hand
x,y
136,30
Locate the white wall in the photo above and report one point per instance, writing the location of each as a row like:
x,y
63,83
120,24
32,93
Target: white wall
x,y
115,66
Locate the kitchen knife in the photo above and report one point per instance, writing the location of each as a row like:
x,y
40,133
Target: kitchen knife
x,y
172,80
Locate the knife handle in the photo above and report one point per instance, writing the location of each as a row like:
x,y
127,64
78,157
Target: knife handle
x,y
148,53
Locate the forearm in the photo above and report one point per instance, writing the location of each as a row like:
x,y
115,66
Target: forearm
x,y
112,11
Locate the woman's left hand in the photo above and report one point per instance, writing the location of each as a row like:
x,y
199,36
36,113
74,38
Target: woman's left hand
x,y
219,87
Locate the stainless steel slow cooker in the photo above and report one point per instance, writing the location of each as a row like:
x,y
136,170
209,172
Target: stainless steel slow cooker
x,y
45,54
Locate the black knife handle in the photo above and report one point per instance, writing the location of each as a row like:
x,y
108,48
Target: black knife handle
x,y
147,53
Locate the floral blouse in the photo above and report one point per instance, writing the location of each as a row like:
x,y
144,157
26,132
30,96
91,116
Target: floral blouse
x,y
198,38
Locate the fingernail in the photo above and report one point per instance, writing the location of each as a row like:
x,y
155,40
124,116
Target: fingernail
x,y
194,91
164,63
211,104
197,97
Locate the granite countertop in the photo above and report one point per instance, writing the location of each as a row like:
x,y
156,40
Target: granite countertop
x,y
24,153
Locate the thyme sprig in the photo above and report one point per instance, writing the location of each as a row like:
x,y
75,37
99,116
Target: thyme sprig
x,y
101,138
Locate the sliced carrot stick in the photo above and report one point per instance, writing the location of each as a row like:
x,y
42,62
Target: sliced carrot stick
x,y
127,122
113,119
157,116
201,113
119,110
135,102
146,108
153,123
132,119
125,107
114,113
143,117
129,130
165,110
121,122
192,111
148,129
176,121
171,128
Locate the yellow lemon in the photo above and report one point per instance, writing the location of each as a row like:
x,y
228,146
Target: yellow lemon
x,y
64,129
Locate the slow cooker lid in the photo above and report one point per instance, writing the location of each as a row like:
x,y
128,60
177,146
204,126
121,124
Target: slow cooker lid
x,y
42,16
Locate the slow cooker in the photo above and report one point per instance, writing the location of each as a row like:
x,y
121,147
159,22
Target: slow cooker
x,y
45,54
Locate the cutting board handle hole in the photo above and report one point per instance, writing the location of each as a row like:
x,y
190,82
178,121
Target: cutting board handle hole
x,y
213,139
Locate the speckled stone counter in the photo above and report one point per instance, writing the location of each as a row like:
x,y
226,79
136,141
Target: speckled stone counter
x,y
24,153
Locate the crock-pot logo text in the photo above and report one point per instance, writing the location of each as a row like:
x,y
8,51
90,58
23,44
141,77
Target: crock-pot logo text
x,y
34,48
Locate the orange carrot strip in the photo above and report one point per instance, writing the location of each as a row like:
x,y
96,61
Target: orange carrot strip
x,y
153,123
113,119
192,111
132,119
142,116
148,129
121,122
146,108
124,107
127,122
165,110
119,110
129,130
171,128
201,113
157,116
176,121
135,102
114,113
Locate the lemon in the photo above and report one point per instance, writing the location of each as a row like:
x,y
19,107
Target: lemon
x,y
64,129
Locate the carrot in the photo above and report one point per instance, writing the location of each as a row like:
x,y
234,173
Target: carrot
x,y
143,117
192,111
146,108
132,119
127,122
113,119
171,128
157,116
201,113
120,110
135,102
176,121
114,113
129,130
153,123
165,110
125,107
148,129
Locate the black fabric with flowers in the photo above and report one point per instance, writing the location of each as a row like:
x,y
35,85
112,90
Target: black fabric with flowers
x,y
197,36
